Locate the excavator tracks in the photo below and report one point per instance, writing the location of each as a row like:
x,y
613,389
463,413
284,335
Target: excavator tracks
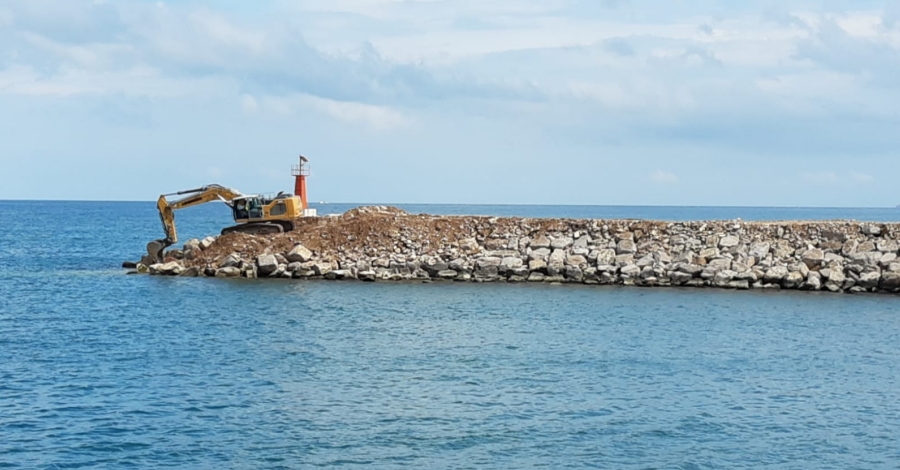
x,y
260,228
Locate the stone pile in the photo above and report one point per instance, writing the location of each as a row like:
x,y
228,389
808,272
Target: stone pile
x,y
837,256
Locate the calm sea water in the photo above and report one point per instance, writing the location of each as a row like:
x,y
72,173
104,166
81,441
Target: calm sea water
x,y
103,370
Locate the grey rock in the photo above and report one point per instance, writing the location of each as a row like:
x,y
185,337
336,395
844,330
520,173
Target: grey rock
x,y
729,241
510,263
469,246
692,269
890,281
648,260
190,272
837,276
869,280
434,268
540,242
540,253
206,243
680,278
299,254
231,261
488,261
630,271
888,246
574,273
557,259
870,229
793,280
719,264
626,247
775,275
536,277
576,260
865,247
813,258
759,250
869,258
561,242
322,268
266,265
813,281
622,260
708,253
537,265
606,257
887,259
723,278
191,245
228,271
447,274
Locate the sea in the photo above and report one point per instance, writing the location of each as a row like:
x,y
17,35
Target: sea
x,y
99,369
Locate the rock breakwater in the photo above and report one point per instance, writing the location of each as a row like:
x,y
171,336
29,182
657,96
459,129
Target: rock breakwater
x,y
386,244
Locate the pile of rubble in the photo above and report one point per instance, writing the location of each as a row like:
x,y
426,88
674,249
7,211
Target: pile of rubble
x,y
384,243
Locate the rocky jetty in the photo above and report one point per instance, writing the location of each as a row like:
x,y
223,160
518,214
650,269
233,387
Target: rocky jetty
x,y
386,244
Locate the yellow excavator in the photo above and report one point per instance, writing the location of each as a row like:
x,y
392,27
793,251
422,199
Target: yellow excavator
x,y
253,214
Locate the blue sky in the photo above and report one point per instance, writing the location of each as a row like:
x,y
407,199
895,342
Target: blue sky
x,y
464,101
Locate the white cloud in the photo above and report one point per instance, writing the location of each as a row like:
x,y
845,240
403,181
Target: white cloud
x,y
663,177
377,118
861,177
249,104
215,172
828,177
819,177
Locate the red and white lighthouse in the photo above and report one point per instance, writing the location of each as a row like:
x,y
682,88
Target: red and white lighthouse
x,y
300,172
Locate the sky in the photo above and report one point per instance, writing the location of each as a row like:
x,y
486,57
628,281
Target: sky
x,y
596,102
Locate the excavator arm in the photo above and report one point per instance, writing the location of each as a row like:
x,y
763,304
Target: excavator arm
x,y
192,197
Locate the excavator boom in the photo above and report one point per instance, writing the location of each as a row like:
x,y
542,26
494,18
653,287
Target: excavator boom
x,y
192,197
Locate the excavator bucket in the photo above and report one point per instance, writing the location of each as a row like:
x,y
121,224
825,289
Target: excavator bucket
x,y
155,251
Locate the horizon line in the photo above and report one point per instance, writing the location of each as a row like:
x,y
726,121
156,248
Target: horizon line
x,y
490,204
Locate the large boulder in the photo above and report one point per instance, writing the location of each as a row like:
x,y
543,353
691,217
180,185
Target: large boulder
x,y
729,241
630,271
299,254
813,258
723,278
561,242
775,275
557,259
266,265
469,246
890,281
679,278
793,280
606,257
813,281
510,264
540,253
869,280
228,271
206,243
488,261
231,261
870,229
626,247
576,260
540,242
